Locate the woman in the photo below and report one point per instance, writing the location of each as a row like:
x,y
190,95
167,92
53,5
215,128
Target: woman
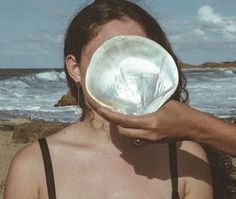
x,y
91,159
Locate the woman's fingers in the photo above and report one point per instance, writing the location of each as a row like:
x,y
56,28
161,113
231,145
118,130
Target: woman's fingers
x,y
128,121
169,122
130,132
147,121
141,133
153,136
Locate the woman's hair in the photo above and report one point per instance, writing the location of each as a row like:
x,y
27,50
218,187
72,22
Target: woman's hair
x,y
85,25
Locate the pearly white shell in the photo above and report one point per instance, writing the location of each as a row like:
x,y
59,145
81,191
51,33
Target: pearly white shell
x,y
131,75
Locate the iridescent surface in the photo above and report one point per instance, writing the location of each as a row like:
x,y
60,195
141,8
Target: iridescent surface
x,y
131,75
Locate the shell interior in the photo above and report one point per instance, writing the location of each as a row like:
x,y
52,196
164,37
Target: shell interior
x,y
132,75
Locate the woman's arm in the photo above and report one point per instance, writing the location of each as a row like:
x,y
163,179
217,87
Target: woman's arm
x,y
217,133
23,180
176,120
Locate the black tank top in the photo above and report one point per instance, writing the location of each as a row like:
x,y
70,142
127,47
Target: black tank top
x,y
50,176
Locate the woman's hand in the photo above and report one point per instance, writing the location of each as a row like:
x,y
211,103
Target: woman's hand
x,y
176,121
171,121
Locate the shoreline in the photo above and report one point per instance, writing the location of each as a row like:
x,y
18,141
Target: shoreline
x,y
207,69
6,73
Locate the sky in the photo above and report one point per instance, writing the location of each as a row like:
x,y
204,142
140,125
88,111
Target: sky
x,y
32,31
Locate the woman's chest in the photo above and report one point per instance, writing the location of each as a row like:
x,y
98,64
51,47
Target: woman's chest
x,y
111,178
107,185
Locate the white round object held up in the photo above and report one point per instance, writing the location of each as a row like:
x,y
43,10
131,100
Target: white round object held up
x,y
132,75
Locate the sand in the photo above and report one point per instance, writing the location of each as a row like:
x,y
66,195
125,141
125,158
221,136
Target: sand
x,y
15,134
7,150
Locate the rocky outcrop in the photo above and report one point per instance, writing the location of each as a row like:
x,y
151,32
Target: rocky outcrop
x,y
226,64
219,65
66,100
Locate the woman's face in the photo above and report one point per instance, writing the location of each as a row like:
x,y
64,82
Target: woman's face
x,y
106,32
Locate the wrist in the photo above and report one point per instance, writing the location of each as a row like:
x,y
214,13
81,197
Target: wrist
x,y
215,132
199,126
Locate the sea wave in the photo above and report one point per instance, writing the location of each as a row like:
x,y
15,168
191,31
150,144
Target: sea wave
x,y
51,76
34,95
65,115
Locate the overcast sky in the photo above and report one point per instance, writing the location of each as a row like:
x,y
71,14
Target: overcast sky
x,y
32,31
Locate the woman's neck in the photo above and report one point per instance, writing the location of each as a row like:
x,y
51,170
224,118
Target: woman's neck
x,y
99,126
104,131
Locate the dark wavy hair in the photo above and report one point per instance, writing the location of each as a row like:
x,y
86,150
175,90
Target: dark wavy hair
x,y
85,25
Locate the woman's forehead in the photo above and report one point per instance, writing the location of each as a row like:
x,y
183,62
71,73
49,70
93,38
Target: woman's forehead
x,y
112,29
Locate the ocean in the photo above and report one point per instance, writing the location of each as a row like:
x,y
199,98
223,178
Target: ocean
x,y
33,93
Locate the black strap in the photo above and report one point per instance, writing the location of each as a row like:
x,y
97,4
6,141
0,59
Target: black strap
x,y
48,168
50,176
173,170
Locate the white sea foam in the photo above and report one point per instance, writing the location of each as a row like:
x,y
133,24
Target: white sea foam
x,y
13,83
34,95
50,76
213,92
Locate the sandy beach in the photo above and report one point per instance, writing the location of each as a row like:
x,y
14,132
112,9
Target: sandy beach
x,y
15,134
7,150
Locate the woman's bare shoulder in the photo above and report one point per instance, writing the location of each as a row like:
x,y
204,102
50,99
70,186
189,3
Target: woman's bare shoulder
x,y
70,135
66,132
194,168
24,171
193,148
192,159
27,157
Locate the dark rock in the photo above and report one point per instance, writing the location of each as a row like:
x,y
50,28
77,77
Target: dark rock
x,y
226,64
66,100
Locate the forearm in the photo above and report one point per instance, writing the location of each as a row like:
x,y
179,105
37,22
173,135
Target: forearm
x,y
214,132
